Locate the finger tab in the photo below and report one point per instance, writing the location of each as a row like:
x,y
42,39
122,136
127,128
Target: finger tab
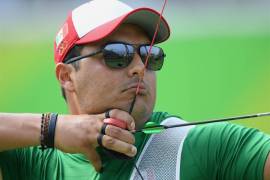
x,y
116,122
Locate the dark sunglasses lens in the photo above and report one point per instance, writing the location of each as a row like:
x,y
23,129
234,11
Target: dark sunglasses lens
x,y
156,57
117,55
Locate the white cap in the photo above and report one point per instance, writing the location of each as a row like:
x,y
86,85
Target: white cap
x,y
97,19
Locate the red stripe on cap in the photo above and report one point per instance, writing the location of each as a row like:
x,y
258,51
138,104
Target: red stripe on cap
x,y
70,36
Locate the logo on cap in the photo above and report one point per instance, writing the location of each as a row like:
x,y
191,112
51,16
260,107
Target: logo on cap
x,y
61,34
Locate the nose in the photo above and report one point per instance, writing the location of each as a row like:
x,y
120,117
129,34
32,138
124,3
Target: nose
x,y
136,67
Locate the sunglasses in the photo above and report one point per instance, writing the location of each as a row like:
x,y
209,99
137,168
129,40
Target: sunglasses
x,y
120,55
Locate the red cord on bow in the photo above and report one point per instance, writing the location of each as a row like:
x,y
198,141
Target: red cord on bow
x,y
148,55
151,45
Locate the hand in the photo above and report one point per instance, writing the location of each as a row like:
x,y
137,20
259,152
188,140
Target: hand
x,y
78,134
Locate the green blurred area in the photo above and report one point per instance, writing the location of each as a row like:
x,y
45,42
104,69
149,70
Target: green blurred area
x,y
206,77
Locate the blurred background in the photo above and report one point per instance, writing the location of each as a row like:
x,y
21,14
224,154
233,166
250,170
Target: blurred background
x,y
217,64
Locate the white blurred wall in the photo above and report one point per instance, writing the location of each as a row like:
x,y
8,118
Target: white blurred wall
x,y
36,19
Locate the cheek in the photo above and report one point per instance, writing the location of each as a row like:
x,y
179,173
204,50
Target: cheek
x,y
152,82
98,85
97,89
92,77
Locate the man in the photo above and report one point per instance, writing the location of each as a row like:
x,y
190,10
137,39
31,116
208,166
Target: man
x,y
100,53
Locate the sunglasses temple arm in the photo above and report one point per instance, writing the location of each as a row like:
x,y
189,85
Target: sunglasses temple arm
x,y
72,60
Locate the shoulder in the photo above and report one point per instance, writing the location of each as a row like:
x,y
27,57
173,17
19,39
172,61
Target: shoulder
x,y
224,131
224,138
160,116
226,149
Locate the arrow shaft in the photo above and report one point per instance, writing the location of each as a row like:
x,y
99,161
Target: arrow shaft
x,y
209,121
213,121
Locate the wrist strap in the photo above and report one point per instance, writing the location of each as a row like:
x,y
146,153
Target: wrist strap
x,y
47,132
51,130
42,132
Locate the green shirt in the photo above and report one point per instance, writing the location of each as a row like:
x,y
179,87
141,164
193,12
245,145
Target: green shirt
x,y
210,152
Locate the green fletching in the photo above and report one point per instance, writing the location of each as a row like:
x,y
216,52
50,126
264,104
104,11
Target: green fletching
x,y
150,124
153,128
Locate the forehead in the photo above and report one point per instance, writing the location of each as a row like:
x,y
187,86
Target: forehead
x,y
128,33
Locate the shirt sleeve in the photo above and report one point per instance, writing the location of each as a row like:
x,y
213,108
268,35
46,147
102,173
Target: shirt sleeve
x,y
18,163
224,151
9,164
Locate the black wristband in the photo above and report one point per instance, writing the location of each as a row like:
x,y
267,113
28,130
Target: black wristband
x,y
51,130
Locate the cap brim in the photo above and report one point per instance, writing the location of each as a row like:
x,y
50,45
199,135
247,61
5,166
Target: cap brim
x,y
146,18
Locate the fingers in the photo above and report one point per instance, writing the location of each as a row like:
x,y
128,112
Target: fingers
x,y
119,146
122,115
94,158
120,134
115,138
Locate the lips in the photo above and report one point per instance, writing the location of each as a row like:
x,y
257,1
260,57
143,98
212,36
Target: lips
x,y
133,88
141,86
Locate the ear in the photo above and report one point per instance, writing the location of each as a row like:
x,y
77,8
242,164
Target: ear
x,y
63,74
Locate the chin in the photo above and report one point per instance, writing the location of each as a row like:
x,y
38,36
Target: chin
x,y
141,115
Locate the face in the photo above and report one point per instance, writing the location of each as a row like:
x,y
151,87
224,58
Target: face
x,y
98,88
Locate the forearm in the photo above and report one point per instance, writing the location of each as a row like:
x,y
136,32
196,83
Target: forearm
x,y
19,130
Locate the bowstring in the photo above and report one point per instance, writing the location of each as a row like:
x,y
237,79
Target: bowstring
x,y
144,69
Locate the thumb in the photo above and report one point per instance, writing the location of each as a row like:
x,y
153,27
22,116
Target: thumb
x,y
94,158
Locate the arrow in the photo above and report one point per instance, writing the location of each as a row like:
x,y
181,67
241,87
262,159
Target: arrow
x,y
153,128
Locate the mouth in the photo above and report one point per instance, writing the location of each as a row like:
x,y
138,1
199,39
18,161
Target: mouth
x,y
134,87
141,86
